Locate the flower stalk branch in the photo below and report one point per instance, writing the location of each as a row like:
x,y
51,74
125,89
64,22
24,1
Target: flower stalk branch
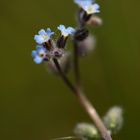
x,y
91,111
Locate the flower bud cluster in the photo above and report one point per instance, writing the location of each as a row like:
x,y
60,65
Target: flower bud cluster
x,y
114,119
86,131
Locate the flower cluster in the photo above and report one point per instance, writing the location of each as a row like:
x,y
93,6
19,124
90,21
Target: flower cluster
x,y
47,48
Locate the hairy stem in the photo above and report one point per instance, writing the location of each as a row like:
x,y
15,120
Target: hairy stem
x,y
63,76
89,108
91,111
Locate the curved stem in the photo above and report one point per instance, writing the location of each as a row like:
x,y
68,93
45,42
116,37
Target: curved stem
x,y
63,76
85,103
76,65
89,108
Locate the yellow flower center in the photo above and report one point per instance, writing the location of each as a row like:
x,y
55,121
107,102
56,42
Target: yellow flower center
x,y
90,9
45,36
65,34
41,54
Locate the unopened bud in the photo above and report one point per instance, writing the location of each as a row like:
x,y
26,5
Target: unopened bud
x,y
81,34
95,21
86,46
86,131
114,119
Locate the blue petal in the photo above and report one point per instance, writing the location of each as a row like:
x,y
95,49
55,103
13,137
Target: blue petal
x,y
83,2
49,32
38,59
70,30
38,48
77,1
52,33
89,1
38,39
34,53
42,32
96,6
61,27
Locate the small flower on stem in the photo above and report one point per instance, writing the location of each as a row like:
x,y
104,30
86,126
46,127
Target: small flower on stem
x,y
39,54
43,36
88,6
66,31
91,9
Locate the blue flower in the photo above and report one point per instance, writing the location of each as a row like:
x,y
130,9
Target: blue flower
x,y
66,31
91,9
88,5
43,36
39,54
82,2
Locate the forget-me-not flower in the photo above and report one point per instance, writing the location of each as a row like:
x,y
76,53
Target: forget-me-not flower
x,y
43,36
66,31
88,5
82,2
39,54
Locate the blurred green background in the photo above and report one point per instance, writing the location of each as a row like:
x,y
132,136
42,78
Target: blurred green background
x,y
35,105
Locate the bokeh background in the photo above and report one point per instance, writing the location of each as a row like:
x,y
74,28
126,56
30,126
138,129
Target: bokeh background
x,y
35,105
